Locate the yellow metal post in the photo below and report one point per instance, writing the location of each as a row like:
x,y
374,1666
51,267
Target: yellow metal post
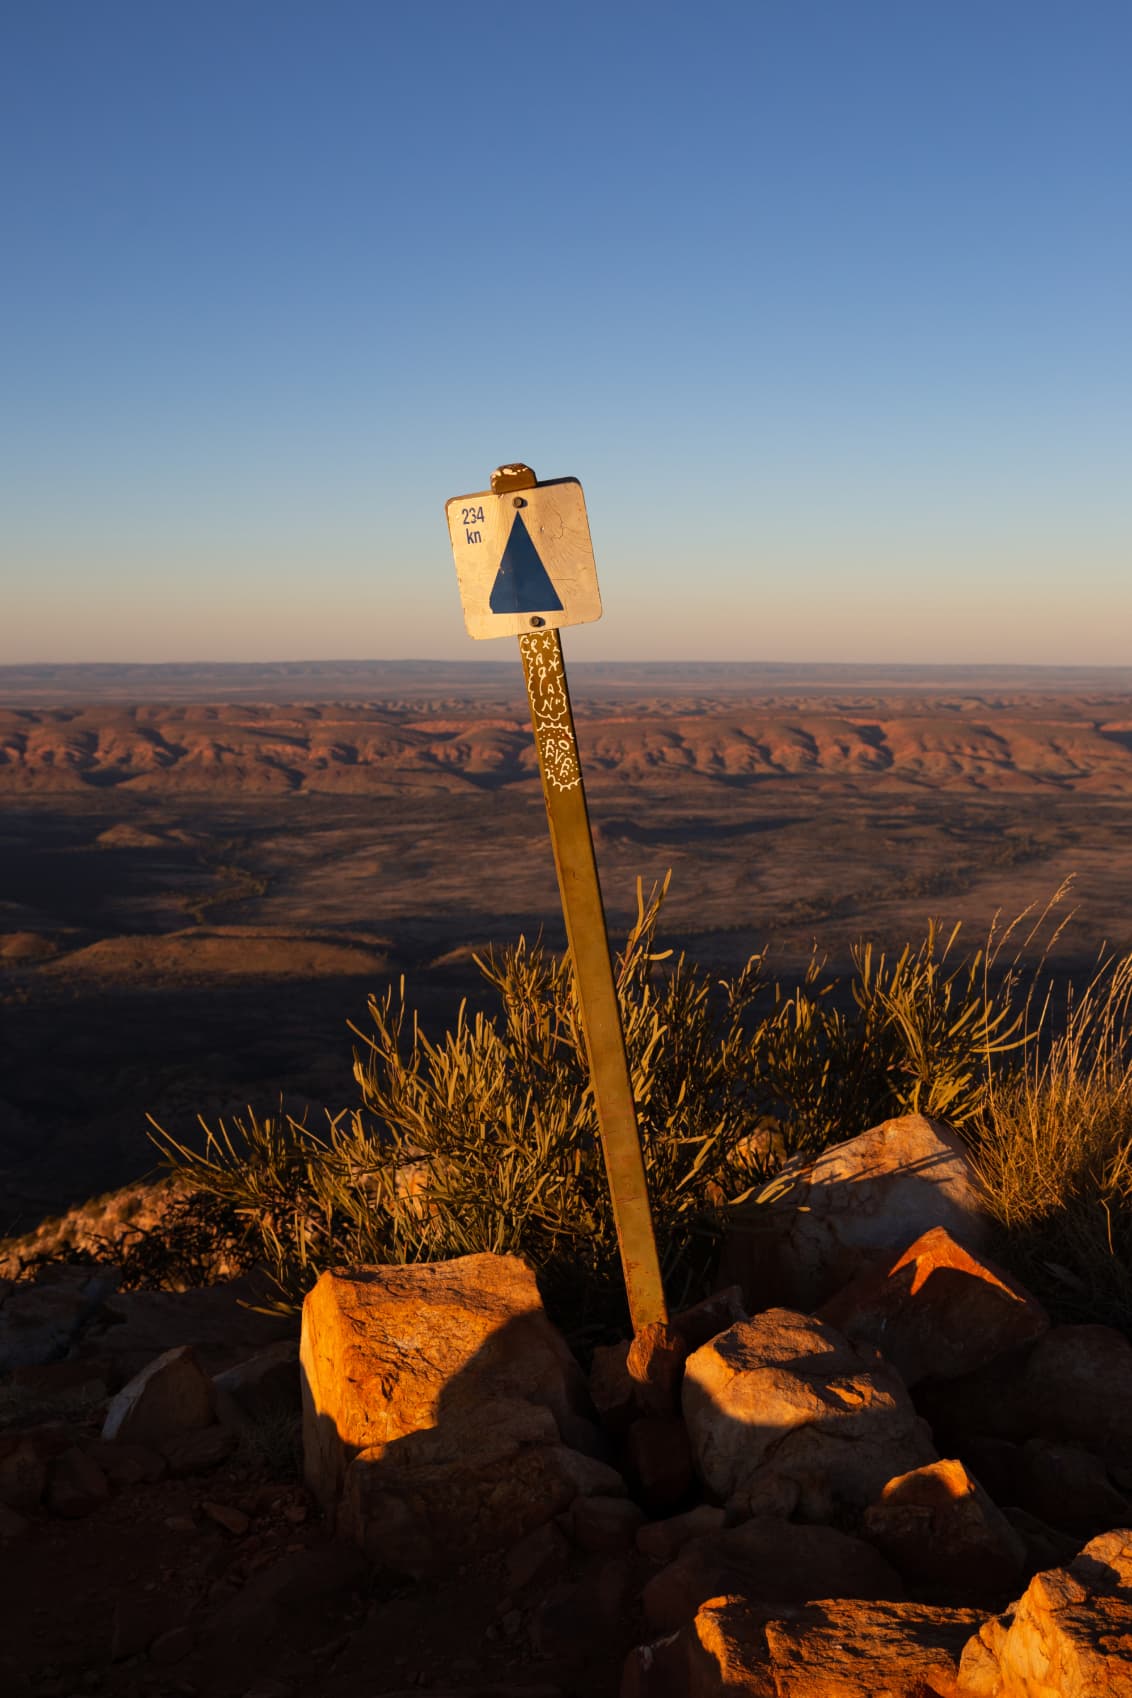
x,y
572,842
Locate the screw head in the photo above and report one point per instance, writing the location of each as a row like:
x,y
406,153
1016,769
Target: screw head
x,y
518,502
537,622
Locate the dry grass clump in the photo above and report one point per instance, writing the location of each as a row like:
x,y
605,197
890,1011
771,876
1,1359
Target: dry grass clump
x,y
1053,1145
485,1138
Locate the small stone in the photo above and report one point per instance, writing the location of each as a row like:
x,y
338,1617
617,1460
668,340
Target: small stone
x,y
180,1524
232,1520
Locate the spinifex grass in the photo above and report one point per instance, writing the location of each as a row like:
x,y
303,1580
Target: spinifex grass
x,y
485,1138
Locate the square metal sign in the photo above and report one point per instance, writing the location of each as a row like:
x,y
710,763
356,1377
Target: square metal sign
x,y
524,560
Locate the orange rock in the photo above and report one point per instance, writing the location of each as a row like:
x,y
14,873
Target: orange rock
x,y
833,1648
819,1224
1068,1636
769,1562
785,1416
654,1364
388,1351
936,1310
939,1528
170,1396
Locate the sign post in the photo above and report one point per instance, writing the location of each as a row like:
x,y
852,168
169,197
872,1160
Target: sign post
x,y
525,566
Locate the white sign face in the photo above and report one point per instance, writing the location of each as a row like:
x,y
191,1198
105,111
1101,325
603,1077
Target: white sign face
x,y
524,560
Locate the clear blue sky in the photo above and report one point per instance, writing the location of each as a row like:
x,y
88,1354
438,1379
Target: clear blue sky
x,y
828,303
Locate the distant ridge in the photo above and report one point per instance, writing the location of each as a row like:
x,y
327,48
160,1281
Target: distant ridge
x,y
57,684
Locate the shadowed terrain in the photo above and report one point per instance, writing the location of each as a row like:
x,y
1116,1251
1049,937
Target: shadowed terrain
x,y
194,899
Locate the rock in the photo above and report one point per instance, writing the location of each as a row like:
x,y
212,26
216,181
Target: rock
x,y
199,1452
832,1648
173,1395
321,1571
655,1363
710,1316
13,1525
604,1524
1074,1384
233,1521
76,1486
1045,1546
538,1560
939,1528
1078,1384
215,1321
41,1319
1069,1488
262,1387
660,1541
611,1386
1068,1636
770,1562
434,1499
817,1225
388,1351
784,1415
659,1455
936,1310
126,1464
23,1471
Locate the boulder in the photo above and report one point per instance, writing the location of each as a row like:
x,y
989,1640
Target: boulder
x,y
710,1316
426,1503
611,1387
769,1562
818,1224
786,1417
260,1388
388,1351
126,1464
833,1648
1073,1384
1068,1636
172,1395
936,1310
940,1529
41,1318
1069,1488
198,1452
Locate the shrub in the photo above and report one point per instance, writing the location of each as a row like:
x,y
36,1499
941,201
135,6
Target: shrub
x,y
486,1138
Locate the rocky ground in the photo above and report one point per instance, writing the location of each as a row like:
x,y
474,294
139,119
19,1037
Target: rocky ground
x,y
868,1465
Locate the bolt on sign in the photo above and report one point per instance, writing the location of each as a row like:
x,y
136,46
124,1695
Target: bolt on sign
x,y
525,566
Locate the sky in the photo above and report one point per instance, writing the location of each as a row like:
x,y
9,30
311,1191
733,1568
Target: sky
x,y
828,304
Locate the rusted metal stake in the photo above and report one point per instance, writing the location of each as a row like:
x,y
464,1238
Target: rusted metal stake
x,y
572,842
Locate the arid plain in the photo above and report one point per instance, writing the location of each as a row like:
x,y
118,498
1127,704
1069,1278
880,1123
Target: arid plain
x,y
205,872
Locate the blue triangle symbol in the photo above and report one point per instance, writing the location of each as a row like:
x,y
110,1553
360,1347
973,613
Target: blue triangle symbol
x,y
522,584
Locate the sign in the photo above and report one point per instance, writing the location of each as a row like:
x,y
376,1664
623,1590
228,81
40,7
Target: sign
x,y
524,560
